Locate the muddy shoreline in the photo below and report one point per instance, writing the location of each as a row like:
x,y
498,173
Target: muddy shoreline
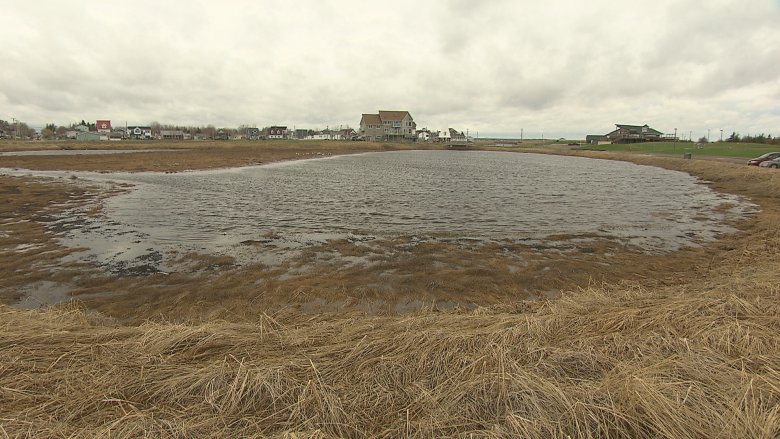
x,y
377,276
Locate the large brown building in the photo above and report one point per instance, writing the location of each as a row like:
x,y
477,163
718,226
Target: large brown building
x,y
628,134
388,126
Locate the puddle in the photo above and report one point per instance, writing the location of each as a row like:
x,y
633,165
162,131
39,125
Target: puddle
x,y
43,294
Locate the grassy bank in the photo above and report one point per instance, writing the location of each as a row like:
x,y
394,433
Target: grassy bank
x,y
720,149
694,355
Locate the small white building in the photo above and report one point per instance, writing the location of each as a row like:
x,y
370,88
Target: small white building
x,y
318,136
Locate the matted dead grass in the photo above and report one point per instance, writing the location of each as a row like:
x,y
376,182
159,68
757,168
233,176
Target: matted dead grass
x,y
651,347
697,361
184,156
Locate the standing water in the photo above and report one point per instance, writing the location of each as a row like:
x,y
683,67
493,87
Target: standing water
x,y
449,193
444,194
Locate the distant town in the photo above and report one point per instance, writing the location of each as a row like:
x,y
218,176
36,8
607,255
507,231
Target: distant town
x,y
383,126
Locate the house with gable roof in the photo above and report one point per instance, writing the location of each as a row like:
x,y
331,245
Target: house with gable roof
x,y
253,133
388,126
139,132
275,132
459,138
371,128
172,134
103,126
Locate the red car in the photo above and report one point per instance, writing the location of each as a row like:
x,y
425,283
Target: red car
x,y
763,158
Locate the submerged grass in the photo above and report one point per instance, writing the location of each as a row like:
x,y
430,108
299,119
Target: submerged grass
x,y
684,346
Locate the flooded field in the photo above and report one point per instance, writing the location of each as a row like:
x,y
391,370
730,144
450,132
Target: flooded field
x,y
361,212
189,325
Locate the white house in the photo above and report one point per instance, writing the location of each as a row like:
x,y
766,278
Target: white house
x,y
139,132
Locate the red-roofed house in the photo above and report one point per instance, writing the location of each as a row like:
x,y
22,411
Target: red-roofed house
x,y
104,126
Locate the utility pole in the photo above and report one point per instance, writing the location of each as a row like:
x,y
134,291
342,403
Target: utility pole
x,y
521,135
708,135
690,136
721,135
16,126
675,139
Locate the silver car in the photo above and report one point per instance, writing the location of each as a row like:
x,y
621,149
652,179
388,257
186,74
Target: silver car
x,y
774,163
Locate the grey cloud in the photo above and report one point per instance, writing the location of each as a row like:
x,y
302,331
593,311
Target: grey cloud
x,y
492,65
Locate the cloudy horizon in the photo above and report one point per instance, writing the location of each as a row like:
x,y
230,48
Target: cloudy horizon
x,y
558,69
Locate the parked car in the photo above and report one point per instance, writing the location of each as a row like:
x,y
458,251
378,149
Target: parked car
x,y
766,157
774,163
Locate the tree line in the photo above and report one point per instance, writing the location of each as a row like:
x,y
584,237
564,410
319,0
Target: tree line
x,y
759,138
763,139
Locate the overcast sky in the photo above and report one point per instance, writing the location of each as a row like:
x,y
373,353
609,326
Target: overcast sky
x,y
558,68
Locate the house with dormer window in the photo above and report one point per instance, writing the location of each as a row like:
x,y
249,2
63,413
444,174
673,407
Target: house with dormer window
x,y
139,133
275,132
103,126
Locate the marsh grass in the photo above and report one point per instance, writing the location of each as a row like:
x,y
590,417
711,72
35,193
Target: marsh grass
x,y
187,155
607,361
683,345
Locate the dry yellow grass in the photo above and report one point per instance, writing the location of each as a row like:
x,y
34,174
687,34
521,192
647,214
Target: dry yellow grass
x,y
700,361
692,354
